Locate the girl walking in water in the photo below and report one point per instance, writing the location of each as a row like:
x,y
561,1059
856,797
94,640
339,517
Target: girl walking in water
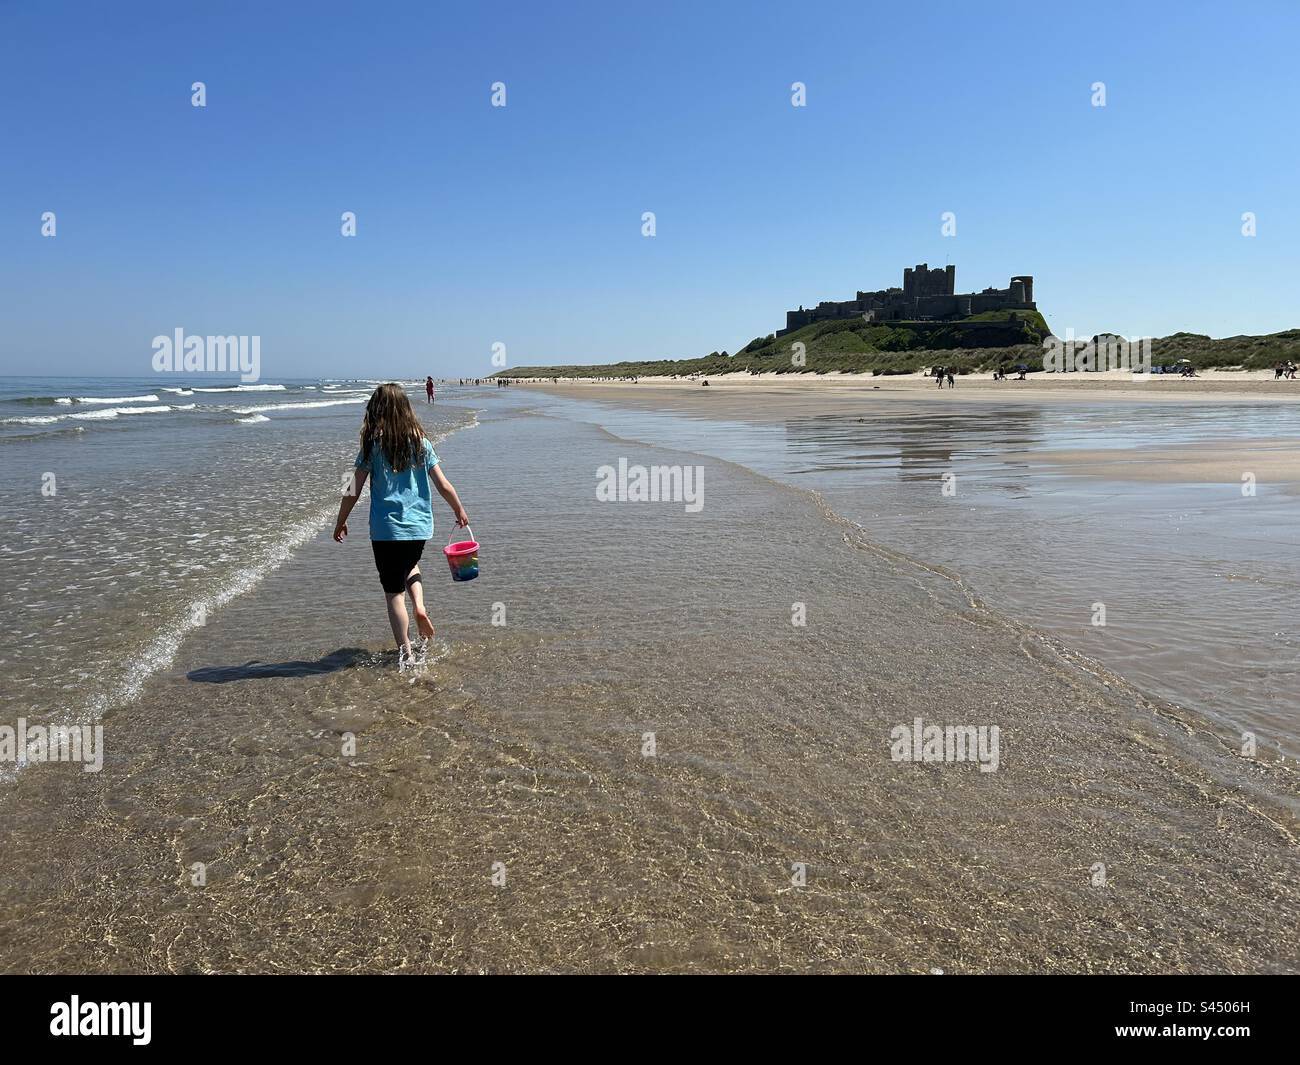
x,y
403,470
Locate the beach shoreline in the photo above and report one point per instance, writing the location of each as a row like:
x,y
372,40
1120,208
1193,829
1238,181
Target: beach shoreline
x,y
1208,460
1245,386
628,773
1185,515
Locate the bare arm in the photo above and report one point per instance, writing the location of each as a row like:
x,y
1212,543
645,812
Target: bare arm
x,y
448,492
347,501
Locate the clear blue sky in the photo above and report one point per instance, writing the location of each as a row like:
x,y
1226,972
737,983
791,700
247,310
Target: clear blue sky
x,y
523,224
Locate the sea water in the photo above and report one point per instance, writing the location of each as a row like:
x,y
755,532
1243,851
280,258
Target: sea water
x,y
644,739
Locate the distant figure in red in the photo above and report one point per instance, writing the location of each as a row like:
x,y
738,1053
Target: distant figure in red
x,y
428,389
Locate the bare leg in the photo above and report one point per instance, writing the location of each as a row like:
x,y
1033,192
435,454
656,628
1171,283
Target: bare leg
x,y
415,589
399,621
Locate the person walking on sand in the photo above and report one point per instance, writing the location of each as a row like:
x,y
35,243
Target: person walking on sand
x,y
428,389
404,470
951,377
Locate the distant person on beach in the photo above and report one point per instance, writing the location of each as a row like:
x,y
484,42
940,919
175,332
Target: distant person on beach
x,y
951,378
938,376
403,469
428,389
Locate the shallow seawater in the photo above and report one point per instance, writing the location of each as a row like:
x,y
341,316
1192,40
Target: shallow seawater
x,y
1189,590
646,739
125,533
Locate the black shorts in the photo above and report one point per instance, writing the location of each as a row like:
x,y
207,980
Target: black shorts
x,y
395,559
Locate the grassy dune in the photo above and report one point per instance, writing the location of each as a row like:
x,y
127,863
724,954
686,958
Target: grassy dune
x,y
979,343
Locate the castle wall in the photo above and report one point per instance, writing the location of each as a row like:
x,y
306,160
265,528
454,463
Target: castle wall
x,y
936,306
920,281
925,293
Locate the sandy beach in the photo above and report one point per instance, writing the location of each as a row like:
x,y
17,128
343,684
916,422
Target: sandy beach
x,y
774,397
1229,386
680,751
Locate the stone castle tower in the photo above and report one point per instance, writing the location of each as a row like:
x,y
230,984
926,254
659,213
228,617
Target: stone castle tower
x,y
926,295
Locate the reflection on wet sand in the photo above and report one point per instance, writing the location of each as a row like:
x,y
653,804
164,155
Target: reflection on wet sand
x,y
919,448
1199,578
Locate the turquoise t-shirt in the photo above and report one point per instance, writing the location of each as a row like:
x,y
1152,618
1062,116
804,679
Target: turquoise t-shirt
x,y
401,504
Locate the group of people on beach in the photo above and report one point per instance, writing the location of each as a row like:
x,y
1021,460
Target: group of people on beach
x,y
1284,371
947,374
430,391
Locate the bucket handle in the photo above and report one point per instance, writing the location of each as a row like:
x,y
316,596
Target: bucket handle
x,y
454,531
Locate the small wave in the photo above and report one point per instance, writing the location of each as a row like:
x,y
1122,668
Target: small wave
x,y
161,409
113,412
43,433
111,399
68,401
254,419
180,391
160,651
300,406
243,388
97,415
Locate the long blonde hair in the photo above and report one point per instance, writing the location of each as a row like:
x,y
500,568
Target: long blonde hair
x,y
390,421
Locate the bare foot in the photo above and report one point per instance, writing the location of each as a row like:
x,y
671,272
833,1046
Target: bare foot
x,y
425,626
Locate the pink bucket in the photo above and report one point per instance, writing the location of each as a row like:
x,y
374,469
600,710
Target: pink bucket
x,y
462,557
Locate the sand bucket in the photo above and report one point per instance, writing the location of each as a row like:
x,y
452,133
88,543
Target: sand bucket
x,y
462,557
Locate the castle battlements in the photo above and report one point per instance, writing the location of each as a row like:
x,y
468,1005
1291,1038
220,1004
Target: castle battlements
x,y
926,294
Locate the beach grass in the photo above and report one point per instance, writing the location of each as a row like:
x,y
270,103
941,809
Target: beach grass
x,y
892,348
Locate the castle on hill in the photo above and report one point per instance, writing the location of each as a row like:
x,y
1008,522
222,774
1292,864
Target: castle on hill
x,y
926,294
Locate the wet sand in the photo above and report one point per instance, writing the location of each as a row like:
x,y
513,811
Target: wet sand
x,y
771,399
1115,836
733,395
1204,462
